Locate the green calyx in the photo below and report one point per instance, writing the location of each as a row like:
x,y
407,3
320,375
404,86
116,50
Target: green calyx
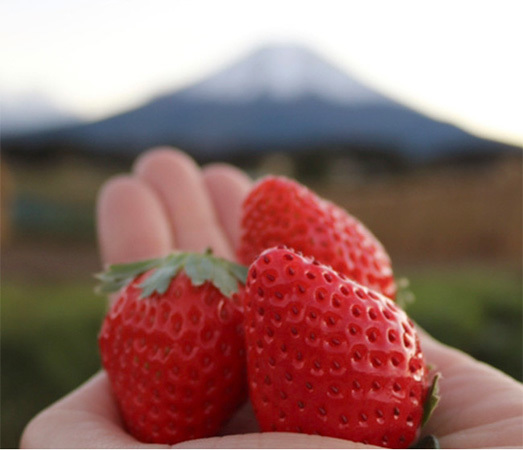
x,y
199,267
432,400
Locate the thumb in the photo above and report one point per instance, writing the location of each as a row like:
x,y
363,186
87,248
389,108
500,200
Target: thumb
x,y
271,440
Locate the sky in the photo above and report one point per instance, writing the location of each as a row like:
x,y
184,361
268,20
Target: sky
x,y
458,61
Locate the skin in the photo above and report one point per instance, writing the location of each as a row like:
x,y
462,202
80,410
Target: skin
x,y
168,203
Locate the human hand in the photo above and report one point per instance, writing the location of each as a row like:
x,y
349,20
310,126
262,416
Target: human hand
x,y
167,203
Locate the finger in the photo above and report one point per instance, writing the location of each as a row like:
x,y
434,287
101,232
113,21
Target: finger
x,y
271,440
227,187
131,222
179,184
86,418
476,399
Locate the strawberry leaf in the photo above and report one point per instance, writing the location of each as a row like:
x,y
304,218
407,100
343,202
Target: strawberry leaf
x,y
238,271
119,275
107,287
161,278
131,269
432,400
200,268
224,280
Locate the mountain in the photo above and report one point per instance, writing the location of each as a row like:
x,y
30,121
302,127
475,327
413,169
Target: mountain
x,y
29,112
276,98
282,74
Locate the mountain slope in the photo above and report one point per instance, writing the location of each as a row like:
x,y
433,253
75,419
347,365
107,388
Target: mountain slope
x,y
28,112
282,73
277,98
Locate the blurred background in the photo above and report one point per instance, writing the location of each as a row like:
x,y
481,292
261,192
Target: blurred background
x,y
408,114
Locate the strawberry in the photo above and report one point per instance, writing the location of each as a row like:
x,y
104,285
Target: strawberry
x,y
329,356
172,345
279,211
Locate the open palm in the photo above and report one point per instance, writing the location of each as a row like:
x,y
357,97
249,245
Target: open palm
x,y
168,203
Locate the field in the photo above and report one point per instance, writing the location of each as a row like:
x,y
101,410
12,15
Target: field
x,y
456,235
442,215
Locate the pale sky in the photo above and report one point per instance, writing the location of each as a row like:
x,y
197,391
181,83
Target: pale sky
x,y
459,61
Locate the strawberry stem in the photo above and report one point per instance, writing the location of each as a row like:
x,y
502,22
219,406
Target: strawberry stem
x,y
199,267
429,441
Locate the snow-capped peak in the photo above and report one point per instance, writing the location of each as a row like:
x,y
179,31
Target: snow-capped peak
x,y
282,73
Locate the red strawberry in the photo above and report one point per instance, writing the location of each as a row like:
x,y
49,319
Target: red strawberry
x,y
326,355
279,211
172,345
